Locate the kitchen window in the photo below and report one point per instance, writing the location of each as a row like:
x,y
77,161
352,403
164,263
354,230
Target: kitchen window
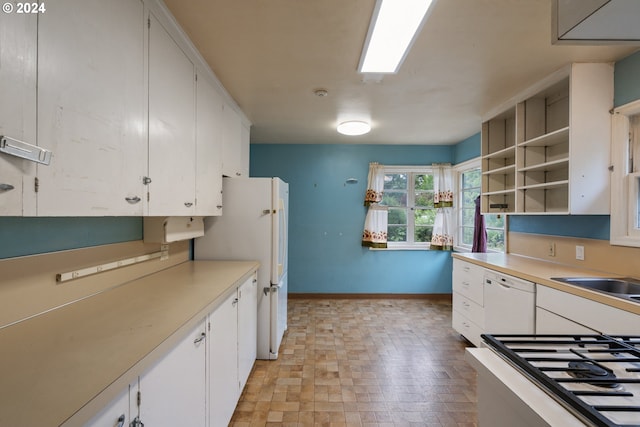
x,y
625,177
408,194
469,183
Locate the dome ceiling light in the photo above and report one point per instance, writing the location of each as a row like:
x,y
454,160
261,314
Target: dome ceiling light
x,y
354,127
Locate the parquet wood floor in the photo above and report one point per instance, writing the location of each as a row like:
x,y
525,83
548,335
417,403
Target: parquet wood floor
x,y
368,362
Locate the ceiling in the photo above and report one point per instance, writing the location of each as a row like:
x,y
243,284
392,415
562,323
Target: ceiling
x,y
471,56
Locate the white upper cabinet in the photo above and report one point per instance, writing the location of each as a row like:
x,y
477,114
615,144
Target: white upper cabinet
x,y
172,126
91,108
547,152
18,41
232,136
209,107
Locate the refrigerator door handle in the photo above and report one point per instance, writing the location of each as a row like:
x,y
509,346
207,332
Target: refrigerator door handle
x,y
270,289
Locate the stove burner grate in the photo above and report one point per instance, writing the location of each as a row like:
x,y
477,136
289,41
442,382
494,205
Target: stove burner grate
x,y
588,370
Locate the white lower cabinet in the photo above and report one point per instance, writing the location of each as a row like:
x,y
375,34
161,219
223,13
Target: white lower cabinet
x,y
583,312
172,392
468,300
199,381
551,323
247,328
232,350
114,413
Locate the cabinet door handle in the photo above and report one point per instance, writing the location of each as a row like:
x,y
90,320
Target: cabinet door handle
x,y
6,187
188,204
133,200
137,422
219,206
120,421
238,174
234,302
200,338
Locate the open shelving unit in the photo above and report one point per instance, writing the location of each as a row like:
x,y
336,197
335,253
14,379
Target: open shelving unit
x,y
547,151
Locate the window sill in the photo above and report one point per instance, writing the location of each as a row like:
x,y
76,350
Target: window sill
x,y
402,248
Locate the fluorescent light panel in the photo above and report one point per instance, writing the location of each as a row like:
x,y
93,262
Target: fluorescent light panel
x,y
394,25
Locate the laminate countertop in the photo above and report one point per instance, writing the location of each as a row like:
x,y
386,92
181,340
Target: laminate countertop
x,y
62,366
541,272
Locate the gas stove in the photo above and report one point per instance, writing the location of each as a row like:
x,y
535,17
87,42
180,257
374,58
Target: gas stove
x,y
597,377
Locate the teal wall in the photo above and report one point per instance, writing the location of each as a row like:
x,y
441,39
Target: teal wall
x,y
26,236
627,80
467,149
326,219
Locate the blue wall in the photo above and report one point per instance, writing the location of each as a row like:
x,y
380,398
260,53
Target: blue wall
x,y
467,149
627,80
26,236
327,216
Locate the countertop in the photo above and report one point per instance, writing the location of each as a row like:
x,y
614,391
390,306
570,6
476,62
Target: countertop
x,y
64,365
541,272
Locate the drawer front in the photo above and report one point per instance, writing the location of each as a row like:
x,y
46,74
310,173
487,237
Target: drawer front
x,y
467,328
468,281
469,309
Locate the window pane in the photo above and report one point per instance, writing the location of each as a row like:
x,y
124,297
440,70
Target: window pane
x,y
494,221
397,216
424,199
495,240
467,236
468,217
394,198
469,198
396,233
471,178
395,181
424,216
423,233
423,182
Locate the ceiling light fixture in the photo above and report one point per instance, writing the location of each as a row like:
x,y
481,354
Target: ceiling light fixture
x,y
393,28
354,127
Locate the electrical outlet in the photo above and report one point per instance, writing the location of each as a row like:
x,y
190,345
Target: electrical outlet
x,y
580,252
552,249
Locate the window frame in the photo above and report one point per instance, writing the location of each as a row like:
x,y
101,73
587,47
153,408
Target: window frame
x,y
459,169
625,193
388,169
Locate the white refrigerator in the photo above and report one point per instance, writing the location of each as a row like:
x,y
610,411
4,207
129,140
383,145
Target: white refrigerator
x,y
253,226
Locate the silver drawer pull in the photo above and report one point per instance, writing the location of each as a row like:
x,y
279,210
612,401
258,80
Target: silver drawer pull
x,y
200,338
6,187
133,200
188,204
120,420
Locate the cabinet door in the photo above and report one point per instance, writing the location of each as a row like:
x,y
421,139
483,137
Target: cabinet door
x,y
171,126
208,149
551,323
232,142
115,411
173,391
18,41
91,108
247,328
223,362
245,142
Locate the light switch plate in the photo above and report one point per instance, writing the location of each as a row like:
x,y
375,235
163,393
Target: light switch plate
x,y
580,252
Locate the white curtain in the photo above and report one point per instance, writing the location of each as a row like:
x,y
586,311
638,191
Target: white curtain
x,y
375,223
443,179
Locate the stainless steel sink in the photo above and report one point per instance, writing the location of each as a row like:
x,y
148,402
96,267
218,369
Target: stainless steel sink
x,y
627,288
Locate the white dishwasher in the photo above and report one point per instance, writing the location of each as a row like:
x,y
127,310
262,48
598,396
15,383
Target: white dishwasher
x,y
509,304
